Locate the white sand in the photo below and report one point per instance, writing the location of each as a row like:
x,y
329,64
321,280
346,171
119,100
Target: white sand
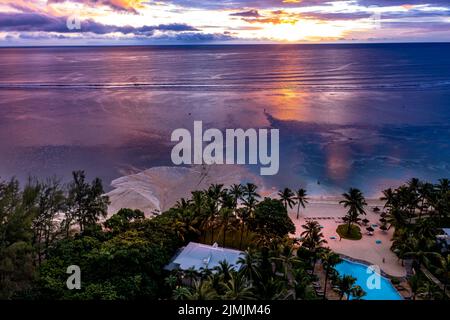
x,y
365,249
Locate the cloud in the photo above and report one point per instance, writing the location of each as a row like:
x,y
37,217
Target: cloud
x,y
130,6
37,22
250,13
239,4
385,3
196,37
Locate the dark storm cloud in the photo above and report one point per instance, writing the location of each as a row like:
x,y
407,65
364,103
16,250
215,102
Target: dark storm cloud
x,y
249,13
200,37
34,22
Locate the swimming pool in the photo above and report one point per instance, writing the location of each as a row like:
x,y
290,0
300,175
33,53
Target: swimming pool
x,y
359,271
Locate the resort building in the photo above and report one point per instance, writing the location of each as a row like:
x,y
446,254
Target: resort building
x,y
201,256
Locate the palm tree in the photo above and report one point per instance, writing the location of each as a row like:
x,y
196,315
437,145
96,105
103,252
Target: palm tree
x,y
238,288
302,200
389,197
355,202
244,215
426,194
236,191
202,290
191,274
226,214
211,205
345,286
397,218
185,225
249,265
414,284
171,281
426,228
249,191
225,269
358,293
443,186
420,251
287,260
313,239
329,261
198,207
414,185
312,236
182,204
180,293
310,227
250,200
287,197
444,271
429,290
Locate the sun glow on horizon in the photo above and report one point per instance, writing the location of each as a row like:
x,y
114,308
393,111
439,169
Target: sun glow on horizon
x,y
311,30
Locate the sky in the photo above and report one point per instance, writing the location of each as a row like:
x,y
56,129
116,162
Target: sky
x,y
134,22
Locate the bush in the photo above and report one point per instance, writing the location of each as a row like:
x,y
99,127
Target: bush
x,y
352,233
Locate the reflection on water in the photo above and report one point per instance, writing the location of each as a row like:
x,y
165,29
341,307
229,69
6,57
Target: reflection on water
x,y
361,119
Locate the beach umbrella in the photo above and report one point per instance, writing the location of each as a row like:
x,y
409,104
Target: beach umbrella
x,y
383,220
376,209
383,215
383,227
365,221
370,229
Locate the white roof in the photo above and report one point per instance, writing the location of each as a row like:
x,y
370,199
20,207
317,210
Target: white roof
x,y
198,256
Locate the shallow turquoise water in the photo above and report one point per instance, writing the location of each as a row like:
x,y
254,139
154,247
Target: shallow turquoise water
x,y
359,271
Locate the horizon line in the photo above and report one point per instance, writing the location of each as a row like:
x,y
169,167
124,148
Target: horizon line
x,y
222,44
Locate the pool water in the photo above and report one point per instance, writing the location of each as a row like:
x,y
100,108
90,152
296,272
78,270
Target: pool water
x,y
386,291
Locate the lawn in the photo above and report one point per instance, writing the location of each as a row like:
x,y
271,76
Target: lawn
x,y
354,233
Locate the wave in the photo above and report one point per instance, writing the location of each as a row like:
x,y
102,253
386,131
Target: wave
x,y
245,85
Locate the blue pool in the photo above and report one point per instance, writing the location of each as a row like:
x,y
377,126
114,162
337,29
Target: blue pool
x,y
359,271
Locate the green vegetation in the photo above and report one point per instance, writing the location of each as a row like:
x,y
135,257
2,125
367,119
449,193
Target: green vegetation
x,y
46,227
354,233
417,210
347,287
354,201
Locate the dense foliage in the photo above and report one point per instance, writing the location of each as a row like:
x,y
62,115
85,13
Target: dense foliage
x,y
45,227
418,210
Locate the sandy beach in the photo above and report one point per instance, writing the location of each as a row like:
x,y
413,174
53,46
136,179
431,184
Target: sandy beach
x,y
159,188
365,249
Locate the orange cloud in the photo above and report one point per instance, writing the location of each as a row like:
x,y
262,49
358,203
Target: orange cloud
x,y
271,20
408,6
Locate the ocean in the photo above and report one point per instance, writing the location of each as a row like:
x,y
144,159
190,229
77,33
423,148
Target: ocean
x,y
365,115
